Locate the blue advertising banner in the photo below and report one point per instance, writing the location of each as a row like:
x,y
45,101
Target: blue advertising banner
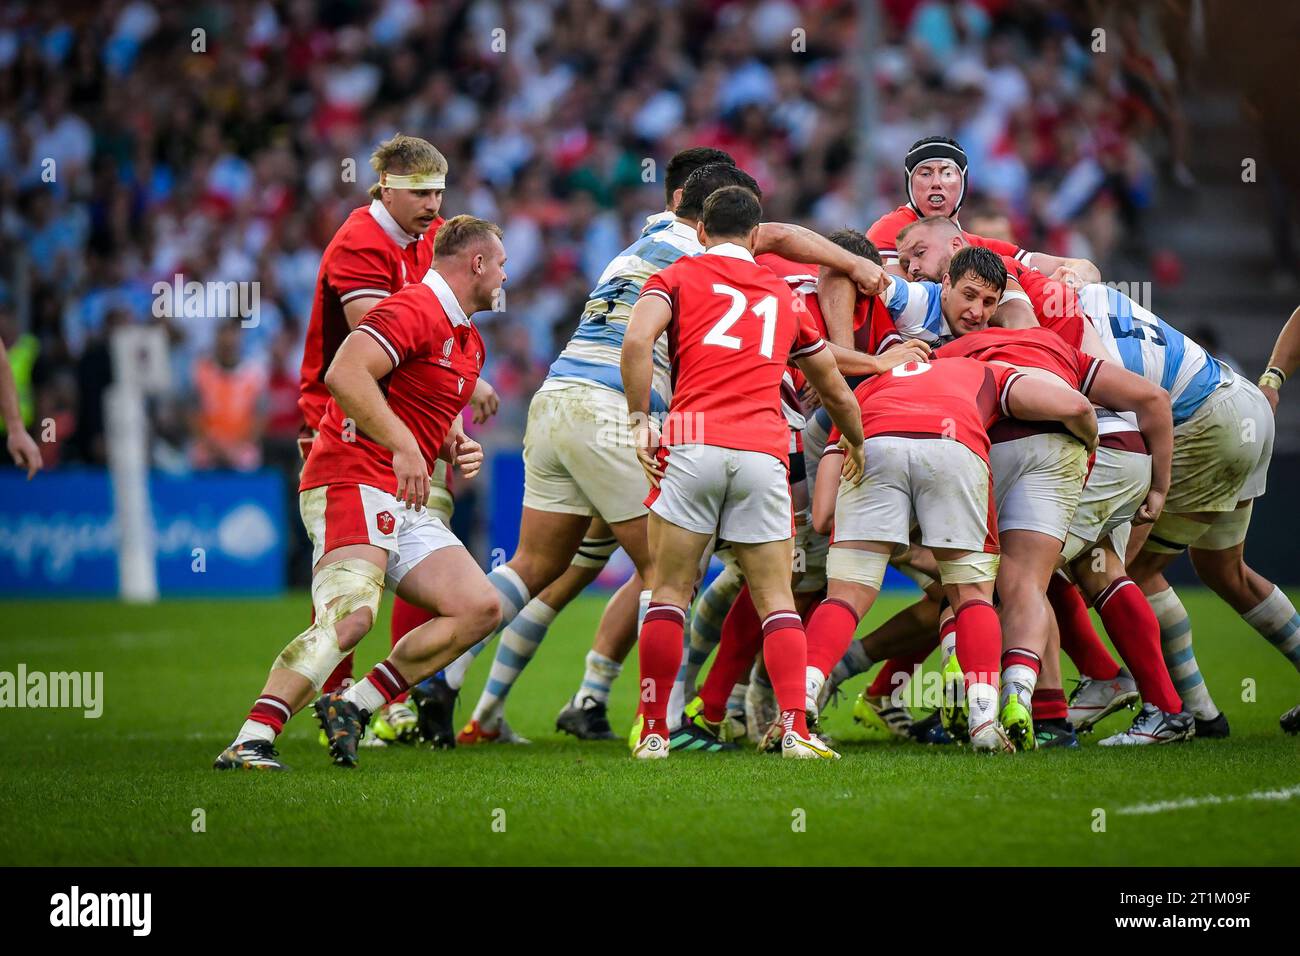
x,y
217,533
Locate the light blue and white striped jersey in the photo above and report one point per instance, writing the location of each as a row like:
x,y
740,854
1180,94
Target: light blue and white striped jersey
x,y
1149,346
914,307
593,352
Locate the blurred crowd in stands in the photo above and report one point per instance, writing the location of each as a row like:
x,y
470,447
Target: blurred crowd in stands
x,y
225,142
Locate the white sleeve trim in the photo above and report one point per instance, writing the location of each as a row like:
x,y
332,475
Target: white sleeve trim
x,y
1012,295
374,333
364,294
1024,255
809,349
660,293
1006,392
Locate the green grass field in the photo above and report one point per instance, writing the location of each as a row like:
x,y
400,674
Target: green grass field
x,y
179,677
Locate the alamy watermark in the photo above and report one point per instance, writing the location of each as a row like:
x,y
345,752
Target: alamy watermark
x,y
208,300
76,690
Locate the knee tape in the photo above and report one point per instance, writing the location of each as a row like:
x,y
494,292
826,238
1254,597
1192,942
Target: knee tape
x,y
1227,530
856,567
595,552
1173,534
973,568
337,591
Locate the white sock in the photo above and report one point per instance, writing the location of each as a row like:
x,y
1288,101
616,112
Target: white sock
x,y
600,674
855,661
365,695
982,699
519,642
1276,620
813,681
254,730
1019,680
1176,643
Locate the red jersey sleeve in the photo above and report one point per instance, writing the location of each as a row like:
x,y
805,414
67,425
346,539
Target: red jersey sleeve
x,y
807,336
398,331
1004,378
1089,366
659,287
359,273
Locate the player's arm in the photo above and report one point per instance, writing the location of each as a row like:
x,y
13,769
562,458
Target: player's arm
x,y
826,488
1075,273
22,448
650,317
851,362
1119,389
353,380
1037,400
1014,309
837,398
1284,360
804,245
837,294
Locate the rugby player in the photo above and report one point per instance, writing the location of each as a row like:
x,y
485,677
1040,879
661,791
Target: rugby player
x,y
380,248
1281,365
578,453
1127,482
1223,441
362,497
927,460
720,466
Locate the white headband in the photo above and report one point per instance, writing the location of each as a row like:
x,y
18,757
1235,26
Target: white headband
x,y
413,181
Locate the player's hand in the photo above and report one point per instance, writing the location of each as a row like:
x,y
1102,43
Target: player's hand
x,y
870,278
1150,509
25,452
855,461
485,401
1067,275
412,477
1271,394
647,447
913,350
468,455
810,397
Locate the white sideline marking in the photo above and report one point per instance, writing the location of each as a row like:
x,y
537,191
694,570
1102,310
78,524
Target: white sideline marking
x,y
1188,803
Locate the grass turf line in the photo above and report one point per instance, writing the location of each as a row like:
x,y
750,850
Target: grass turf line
x,y
179,677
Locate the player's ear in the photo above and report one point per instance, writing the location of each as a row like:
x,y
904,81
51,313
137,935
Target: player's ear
x,y
700,233
677,197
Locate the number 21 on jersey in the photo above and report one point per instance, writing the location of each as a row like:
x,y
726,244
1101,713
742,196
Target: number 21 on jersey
x,y
765,309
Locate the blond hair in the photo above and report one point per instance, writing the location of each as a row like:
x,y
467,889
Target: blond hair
x,y
406,155
461,232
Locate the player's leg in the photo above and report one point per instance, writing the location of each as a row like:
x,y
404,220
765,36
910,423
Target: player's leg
x,y
955,508
1028,560
712,610
677,552
399,721
1135,631
350,555
1146,562
1260,602
521,637
1052,727
854,572
586,715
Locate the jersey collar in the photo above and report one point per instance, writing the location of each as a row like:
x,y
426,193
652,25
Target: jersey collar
x,y
731,250
391,229
455,314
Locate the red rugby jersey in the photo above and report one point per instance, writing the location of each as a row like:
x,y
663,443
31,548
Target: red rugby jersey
x,y
437,355
1027,348
733,329
1056,305
370,256
956,398
884,233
